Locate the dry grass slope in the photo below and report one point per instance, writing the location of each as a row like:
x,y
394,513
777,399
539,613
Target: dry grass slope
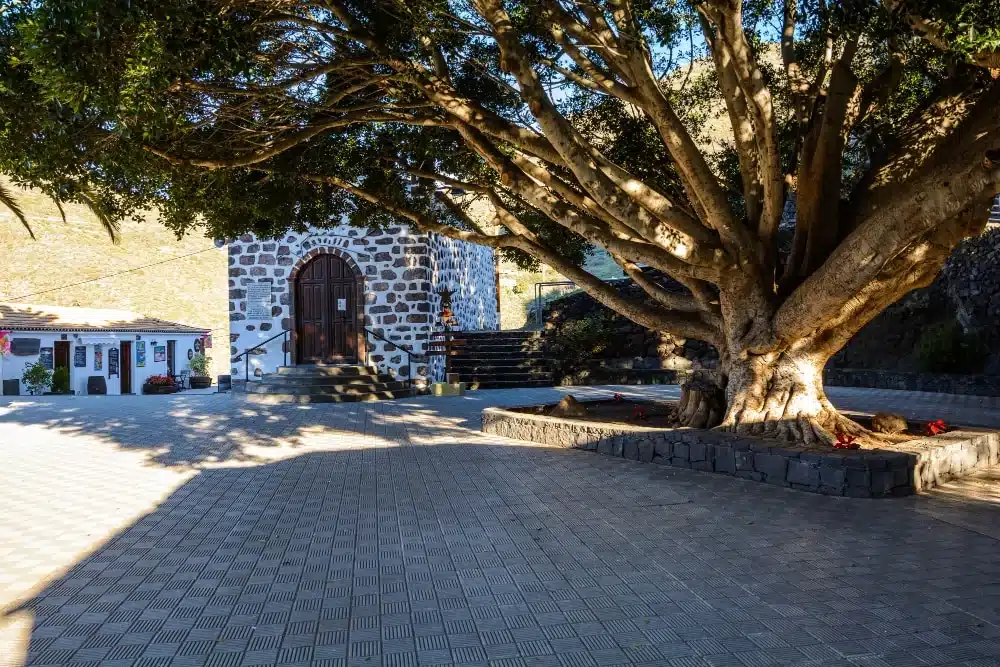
x,y
192,290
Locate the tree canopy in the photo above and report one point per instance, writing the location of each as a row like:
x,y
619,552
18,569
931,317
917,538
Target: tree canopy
x,y
861,142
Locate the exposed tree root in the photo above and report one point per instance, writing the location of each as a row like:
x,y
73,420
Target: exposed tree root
x,y
789,404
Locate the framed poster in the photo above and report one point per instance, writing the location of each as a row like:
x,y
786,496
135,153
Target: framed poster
x,y
80,356
98,358
113,361
259,301
159,353
197,345
45,357
140,353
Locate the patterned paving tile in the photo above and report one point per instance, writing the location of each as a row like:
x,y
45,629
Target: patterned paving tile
x,y
199,531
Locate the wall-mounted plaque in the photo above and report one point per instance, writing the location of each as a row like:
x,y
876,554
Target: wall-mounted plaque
x,y
25,347
259,301
341,304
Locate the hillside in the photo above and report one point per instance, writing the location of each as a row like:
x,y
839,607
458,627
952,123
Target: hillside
x,y
192,290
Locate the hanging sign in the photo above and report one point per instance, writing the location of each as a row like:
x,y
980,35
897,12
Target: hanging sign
x,y
45,357
113,361
98,358
259,301
80,356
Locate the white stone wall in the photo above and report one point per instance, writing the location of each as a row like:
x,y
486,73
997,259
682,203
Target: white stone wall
x,y
401,269
13,366
470,271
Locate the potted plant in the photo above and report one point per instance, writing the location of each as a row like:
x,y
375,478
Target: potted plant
x,y
60,381
36,377
159,384
200,379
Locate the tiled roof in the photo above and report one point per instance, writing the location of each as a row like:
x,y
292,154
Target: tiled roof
x,y
26,317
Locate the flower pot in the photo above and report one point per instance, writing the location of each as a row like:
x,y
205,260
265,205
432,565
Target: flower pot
x,y
158,389
200,381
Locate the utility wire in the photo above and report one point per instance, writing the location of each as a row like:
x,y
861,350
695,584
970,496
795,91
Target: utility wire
x,y
111,275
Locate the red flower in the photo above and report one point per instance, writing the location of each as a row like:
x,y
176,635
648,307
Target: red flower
x,y
158,380
937,426
617,398
638,413
845,441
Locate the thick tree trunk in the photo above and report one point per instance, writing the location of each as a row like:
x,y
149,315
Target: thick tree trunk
x,y
780,395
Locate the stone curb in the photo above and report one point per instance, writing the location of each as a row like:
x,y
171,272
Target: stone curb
x,y
909,468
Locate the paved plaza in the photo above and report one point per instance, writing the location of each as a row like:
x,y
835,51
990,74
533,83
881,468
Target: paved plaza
x,y
197,531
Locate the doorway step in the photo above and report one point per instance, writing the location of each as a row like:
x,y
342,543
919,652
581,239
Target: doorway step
x,y
326,384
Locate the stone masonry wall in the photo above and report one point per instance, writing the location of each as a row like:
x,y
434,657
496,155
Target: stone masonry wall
x,y
468,270
400,269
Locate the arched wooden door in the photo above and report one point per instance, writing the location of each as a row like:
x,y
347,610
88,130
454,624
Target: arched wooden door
x,y
326,312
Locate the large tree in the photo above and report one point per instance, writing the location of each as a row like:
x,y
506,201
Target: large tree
x,y
579,122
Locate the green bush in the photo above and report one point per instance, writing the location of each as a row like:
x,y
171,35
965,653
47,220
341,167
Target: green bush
x,y
36,377
60,380
945,348
199,364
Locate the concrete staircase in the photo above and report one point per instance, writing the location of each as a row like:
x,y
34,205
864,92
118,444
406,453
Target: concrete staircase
x,y
325,384
498,359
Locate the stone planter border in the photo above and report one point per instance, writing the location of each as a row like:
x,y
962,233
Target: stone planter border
x,y
908,468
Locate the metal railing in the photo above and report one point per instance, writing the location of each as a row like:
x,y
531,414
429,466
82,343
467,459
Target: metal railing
x,y
246,353
409,355
539,319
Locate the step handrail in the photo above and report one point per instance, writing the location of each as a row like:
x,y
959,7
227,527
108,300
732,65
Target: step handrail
x,y
409,355
246,353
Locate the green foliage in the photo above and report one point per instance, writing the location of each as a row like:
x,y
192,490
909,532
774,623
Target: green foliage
x,y
87,87
60,380
945,348
36,377
575,343
200,364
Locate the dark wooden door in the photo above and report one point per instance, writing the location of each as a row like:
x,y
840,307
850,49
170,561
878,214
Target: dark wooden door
x,y
61,354
171,358
326,312
125,372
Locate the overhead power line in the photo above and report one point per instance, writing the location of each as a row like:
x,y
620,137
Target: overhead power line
x,y
111,275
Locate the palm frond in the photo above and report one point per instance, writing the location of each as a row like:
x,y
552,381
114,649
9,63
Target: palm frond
x,y
93,202
7,199
59,206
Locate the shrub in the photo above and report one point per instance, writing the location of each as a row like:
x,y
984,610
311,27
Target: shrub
x,y
36,377
60,380
945,348
199,364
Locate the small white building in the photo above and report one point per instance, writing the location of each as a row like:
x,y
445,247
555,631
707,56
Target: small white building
x,y
122,347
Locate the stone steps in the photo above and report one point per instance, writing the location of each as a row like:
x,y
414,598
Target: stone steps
x,y
326,384
499,359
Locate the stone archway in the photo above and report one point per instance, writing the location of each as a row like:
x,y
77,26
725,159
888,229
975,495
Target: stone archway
x,y
303,316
